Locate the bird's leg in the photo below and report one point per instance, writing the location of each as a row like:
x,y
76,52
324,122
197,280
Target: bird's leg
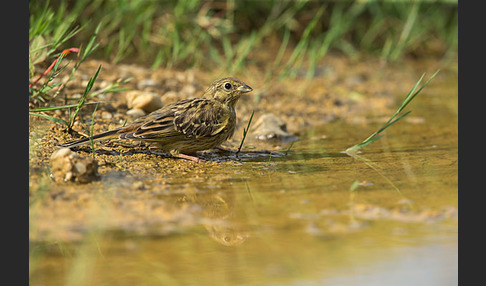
x,y
187,157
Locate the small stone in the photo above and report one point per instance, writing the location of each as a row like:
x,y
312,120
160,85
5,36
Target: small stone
x,y
138,185
269,126
190,77
71,167
188,90
63,152
181,77
148,83
147,101
106,115
68,177
104,84
80,167
136,112
170,96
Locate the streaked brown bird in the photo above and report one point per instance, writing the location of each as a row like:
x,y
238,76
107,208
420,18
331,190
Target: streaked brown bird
x,y
187,126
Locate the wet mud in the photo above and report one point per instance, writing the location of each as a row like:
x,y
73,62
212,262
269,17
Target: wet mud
x,y
138,174
294,195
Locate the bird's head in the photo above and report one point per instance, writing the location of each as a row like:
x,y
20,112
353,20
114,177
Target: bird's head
x,y
227,90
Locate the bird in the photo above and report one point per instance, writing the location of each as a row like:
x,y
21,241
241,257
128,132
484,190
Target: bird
x,y
186,126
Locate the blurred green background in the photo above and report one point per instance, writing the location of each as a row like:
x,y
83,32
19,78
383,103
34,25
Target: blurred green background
x,y
232,34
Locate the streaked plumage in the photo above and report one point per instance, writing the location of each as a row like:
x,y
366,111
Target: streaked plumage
x,y
187,126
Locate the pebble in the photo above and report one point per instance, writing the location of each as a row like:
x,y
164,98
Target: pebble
x,y
269,126
138,185
135,112
69,166
170,96
188,90
147,101
106,115
148,83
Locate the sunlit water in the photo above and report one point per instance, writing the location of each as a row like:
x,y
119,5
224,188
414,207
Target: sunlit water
x,y
314,217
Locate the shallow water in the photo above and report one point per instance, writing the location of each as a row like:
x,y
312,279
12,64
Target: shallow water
x,y
295,219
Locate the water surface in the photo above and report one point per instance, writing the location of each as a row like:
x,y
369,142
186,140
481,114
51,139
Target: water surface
x,y
279,219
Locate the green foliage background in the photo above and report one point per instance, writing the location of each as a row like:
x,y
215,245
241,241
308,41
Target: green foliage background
x,y
231,34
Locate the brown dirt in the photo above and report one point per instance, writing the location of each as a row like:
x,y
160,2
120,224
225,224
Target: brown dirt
x,y
342,89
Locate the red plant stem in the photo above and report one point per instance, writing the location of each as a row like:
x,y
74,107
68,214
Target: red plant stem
x,y
64,53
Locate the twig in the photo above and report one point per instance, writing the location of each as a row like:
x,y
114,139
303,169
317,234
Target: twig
x,y
245,131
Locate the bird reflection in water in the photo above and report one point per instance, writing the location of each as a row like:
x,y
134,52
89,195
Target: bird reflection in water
x,y
220,217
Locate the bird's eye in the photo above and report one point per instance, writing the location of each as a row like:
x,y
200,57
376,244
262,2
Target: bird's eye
x,y
227,85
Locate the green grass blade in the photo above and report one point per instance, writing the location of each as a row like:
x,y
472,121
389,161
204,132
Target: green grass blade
x,y
410,97
51,118
411,94
365,143
393,119
90,47
245,131
51,108
385,126
83,98
238,64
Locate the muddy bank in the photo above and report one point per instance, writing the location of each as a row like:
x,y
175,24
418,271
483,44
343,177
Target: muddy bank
x,y
140,190
341,89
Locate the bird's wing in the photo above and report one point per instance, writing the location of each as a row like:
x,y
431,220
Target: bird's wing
x,y
202,118
158,124
191,118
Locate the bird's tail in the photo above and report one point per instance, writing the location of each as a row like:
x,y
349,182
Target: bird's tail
x,y
105,135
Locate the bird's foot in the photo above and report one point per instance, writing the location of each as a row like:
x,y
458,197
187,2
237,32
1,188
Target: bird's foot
x,y
187,157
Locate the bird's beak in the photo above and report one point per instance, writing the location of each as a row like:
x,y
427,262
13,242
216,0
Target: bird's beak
x,y
245,88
